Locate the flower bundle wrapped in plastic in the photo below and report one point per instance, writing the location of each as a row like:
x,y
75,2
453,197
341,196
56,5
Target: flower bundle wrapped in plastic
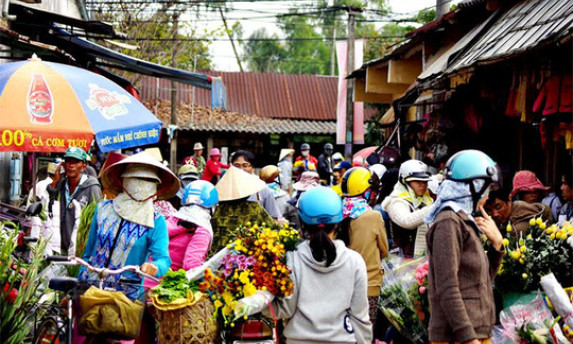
x,y
256,263
418,293
532,254
396,303
561,303
530,323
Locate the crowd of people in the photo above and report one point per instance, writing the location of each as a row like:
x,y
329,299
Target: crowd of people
x,y
350,217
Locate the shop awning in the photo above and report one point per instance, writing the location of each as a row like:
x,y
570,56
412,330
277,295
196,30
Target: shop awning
x,y
62,31
110,58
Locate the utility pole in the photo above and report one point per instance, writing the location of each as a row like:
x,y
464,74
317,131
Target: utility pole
x,y
352,11
333,46
442,7
173,148
231,39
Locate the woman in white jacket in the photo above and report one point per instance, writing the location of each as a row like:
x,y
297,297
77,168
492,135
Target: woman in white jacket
x,y
406,207
329,303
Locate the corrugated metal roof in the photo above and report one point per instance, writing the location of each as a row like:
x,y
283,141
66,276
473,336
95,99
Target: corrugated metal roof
x,y
527,25
270,95
200,118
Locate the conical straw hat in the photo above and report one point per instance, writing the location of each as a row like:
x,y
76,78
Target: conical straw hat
x,y
111,176
285,152
237,184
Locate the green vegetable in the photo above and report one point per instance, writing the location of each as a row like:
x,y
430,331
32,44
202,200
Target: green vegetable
x,y
174,286
86,217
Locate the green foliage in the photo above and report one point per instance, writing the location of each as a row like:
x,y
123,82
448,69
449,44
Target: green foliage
x,y
533,254
263,56
299,56
143,20
82,235
18,283
426,15
174,286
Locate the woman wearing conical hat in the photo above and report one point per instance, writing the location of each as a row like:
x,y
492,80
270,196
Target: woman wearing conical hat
x,y
127,230
234,209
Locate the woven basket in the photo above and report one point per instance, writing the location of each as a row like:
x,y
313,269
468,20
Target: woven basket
x,y
188,325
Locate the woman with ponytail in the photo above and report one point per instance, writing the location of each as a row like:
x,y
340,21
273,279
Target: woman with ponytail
x,y
329,303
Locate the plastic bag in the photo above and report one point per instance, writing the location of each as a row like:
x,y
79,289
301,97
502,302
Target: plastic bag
x,y
213,263
253,304
395,303
528,323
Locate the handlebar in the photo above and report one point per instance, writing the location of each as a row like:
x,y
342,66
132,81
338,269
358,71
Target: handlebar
x,y
73,260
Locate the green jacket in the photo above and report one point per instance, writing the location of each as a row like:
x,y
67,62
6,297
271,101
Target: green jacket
x,y
230,215
200,161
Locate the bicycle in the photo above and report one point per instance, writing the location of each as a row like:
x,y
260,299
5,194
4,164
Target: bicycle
x,y
56,324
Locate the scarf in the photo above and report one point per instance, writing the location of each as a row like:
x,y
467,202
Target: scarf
x,y
456,196
196,214
407,193
134,211
276,189
354,206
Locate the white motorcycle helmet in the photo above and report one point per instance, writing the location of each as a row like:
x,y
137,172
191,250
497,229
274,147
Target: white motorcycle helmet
x,y
413,170
378,170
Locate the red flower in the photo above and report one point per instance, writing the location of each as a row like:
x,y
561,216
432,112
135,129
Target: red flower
x,y
12,295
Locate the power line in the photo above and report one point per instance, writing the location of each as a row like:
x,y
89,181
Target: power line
x,y
295,39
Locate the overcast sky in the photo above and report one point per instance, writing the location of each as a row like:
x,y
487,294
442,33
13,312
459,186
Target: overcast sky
x,y
222,53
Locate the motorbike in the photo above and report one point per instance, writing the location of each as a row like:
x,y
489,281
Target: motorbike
x,y
256,329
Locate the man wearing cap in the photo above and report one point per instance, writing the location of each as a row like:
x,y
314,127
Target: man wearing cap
x,y
325,165
197,158
74,190
304,162
337,172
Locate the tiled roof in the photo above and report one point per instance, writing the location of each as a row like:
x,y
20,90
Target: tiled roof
x,y
271,95
206,119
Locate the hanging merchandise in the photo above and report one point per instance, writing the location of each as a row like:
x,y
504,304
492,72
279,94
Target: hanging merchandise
x,y
555,96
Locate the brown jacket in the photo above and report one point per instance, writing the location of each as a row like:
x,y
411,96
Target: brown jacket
x,y
368,237
522,212
460,276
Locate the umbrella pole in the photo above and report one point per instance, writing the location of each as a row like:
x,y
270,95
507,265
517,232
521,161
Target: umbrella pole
x,y
33,177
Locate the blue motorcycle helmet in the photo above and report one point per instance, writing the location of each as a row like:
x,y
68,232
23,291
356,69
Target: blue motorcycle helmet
x,y
320,206
469,165
200,192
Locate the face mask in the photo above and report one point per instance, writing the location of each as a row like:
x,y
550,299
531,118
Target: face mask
x,y
304,153
139,189
327,152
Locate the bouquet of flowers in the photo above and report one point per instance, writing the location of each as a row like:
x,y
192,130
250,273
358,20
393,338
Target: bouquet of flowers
x,y
532,254
419,294
255,262
530,323
396,302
